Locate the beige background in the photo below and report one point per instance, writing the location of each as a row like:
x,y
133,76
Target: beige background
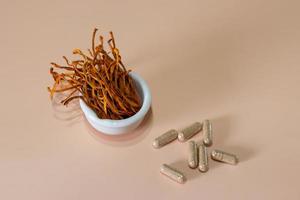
x,y
234,62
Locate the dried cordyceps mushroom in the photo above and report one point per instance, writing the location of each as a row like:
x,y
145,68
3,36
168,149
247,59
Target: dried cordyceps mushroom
x,y
100,80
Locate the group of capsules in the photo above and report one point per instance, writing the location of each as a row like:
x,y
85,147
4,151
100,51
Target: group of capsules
x,y
198,155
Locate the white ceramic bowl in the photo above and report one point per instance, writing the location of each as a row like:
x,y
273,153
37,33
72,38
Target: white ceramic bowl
x,y
117,127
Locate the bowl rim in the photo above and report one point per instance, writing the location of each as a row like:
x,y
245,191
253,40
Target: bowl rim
x,y
89,113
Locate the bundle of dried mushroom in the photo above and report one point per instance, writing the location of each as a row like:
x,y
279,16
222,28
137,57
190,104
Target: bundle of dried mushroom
x,y
99,79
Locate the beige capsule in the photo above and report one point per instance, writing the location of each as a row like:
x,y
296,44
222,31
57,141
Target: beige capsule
x,y
207,133
165,138
193,154
189,131
222,156
203,158
172,173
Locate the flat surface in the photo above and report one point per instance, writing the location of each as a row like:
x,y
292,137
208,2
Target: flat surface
x,y
234,62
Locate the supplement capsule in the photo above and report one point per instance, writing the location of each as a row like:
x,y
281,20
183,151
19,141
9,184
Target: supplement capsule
x,y
165,138
207,133
203,158
189,131
224,157
193,155
172,173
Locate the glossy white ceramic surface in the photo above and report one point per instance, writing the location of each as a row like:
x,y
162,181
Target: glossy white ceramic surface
x,y
117,127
